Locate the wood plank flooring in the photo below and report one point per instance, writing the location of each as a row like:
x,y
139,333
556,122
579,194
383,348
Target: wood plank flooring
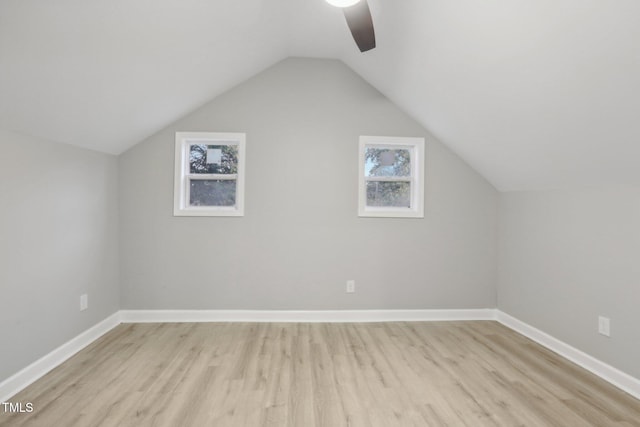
x,y
304,375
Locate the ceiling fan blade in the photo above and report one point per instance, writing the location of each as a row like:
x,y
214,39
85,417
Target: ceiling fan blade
x,y
361,25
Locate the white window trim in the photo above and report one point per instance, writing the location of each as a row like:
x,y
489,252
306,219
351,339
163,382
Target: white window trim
x,y
416,145
181,179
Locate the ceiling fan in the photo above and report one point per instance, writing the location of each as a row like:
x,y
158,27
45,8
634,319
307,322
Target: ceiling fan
x,y
359,20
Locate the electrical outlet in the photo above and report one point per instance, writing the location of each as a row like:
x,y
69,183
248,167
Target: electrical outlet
x,y
84,302
604,326
351,286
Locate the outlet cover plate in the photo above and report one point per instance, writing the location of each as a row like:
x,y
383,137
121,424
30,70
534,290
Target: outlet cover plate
x,y
604,326
351,286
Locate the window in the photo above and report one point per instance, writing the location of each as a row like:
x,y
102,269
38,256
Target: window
x,y
209,174
391,177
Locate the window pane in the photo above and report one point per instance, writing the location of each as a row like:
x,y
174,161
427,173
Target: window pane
x,y
209,192
384,162
384,193
222,159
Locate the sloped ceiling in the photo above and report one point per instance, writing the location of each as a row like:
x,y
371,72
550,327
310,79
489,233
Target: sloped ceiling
x,y
534,94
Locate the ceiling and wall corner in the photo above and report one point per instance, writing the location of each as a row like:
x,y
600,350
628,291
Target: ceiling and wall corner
x,y
533,94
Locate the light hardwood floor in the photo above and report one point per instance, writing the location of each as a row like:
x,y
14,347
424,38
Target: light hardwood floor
x,y
305,375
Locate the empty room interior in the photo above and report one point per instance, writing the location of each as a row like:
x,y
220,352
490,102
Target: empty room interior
x,y
319,213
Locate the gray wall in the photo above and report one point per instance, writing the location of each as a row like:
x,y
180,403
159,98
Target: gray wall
x,y
58,239
300,238
567,257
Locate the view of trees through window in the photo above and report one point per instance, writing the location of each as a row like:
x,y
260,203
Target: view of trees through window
x,y
213,160
394,194
392,163
211,192
387,162
227,163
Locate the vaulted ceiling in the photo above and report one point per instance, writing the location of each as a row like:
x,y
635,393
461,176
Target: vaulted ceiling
x,y
534,94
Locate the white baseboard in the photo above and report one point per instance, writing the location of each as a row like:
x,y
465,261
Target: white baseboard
x,y
328,316
607,372
14,384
